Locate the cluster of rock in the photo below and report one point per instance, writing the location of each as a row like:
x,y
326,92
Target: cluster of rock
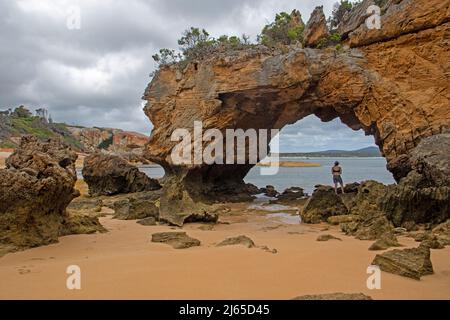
x,y
109,175
35,189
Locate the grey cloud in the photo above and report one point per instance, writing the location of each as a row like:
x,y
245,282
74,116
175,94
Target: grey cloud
x,y
96,76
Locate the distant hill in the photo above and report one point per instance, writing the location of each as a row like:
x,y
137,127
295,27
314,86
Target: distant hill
x,y
365,152
20,121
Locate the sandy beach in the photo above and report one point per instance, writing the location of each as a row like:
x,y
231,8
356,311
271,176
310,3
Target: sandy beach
x,y
124,264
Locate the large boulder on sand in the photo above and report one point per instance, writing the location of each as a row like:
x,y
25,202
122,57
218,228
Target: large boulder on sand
x,y
412,263
109,175
324,203
35,189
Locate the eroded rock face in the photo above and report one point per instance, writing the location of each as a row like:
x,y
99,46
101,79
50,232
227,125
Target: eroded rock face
x,y
370,222
394,86
316,28
424,195
35,189
109,175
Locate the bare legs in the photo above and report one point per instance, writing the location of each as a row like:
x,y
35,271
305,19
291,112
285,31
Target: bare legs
x,y
336,188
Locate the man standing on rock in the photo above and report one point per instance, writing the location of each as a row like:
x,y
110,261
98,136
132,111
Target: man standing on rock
x,y
337,177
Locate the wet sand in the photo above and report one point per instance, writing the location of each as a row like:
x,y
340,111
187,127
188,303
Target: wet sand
x,y
124,264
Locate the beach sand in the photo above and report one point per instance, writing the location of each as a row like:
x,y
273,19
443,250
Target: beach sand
x,y
124,264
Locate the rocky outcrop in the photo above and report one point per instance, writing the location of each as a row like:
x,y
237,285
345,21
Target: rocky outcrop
x,y
35,190
178,240
424,194
270,191
323,204
316,29
370,222
394,86
412,263
109,175
114,140
291,196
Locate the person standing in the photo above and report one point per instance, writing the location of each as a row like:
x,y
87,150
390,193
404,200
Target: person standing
x,y
337,177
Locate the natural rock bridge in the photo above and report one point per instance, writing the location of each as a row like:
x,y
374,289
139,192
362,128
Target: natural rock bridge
x,y
393,83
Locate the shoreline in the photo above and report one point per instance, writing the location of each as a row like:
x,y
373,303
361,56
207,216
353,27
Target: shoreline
x,y
124,264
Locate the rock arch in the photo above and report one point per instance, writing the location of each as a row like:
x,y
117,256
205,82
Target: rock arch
x,y
395,88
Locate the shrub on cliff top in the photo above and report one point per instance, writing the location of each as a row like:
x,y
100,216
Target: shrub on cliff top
x,y
196,44
286,29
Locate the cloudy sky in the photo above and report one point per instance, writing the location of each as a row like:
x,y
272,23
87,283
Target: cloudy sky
x,y
96,75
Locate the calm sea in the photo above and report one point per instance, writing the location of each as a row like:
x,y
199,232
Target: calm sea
x,y
354,170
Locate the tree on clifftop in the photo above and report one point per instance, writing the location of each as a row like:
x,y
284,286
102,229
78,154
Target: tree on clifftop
x,y
21,112
286,29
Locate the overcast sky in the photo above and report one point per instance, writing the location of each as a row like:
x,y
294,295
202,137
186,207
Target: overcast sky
x,y
95,76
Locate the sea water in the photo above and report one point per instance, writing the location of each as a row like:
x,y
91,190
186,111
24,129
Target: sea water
x,y
354,170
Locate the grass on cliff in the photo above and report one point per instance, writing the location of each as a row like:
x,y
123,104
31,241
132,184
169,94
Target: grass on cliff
x,y
43,130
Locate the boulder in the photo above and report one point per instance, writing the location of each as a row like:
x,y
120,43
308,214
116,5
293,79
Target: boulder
x,y
270,191
293,195
335,296
316,28
35,189
412,263
135,209
150,221
240,240
324,203
86,206
178,240
386,241
110,175
352,187
80,224
442,231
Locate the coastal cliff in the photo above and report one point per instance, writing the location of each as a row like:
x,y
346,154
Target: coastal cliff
x,y
393,83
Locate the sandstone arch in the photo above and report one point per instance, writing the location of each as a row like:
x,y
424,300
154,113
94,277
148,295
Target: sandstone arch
x,y
395,87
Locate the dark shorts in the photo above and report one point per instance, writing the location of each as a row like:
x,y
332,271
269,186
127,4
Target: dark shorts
x,y
337,179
